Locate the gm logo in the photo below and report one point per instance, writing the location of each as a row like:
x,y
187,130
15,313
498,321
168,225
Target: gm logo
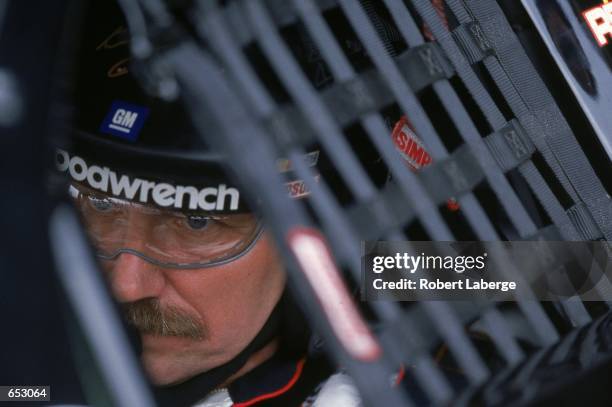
x,y
124,120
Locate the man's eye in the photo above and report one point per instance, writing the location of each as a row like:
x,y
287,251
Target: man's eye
x,y
197,222
100,204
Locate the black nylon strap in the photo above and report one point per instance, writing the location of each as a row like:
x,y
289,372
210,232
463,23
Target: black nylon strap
x,y
510,145
582,218
537,110
452,177
352,99
473,42
288,126
424,65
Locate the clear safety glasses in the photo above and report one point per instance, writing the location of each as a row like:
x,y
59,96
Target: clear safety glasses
x,y
168,238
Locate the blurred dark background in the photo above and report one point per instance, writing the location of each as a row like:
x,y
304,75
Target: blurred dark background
x,y
34,346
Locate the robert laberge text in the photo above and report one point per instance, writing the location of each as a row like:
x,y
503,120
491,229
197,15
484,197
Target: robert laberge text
x,y
437,284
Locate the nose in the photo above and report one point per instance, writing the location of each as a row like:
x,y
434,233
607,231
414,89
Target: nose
x,y
132,278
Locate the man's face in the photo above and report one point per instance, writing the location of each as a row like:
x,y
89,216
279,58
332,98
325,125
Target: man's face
x,y
190,320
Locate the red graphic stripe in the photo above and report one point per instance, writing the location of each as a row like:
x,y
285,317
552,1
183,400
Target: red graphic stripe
x,y
400,375
276,393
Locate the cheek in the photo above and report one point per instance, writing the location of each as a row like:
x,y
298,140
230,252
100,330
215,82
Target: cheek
x,y
234,300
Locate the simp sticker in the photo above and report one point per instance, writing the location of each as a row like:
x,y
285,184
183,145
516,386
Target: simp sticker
x,y
413,151
124,120
410,145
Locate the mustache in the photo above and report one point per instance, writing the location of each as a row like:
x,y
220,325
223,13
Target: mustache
x,y
148,316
